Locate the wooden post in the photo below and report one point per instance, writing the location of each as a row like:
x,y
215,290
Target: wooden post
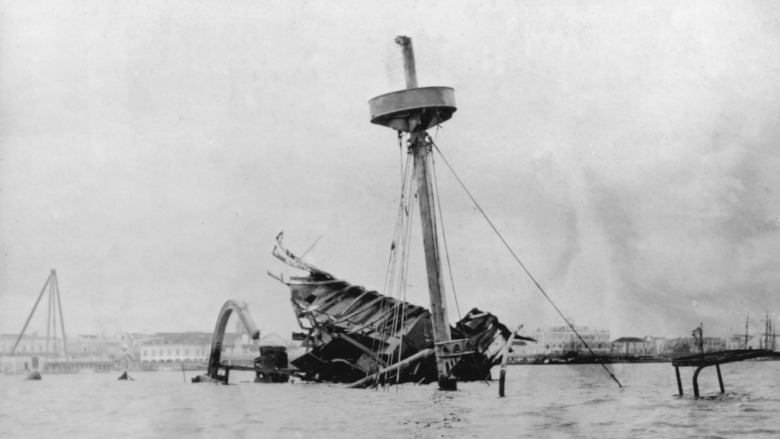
x,y
720,379
423,178
504,356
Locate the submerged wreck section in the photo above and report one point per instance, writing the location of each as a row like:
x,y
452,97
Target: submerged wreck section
x,y
269,367
700,361
352,333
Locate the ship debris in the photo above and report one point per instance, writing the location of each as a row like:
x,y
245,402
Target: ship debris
x,y
352,333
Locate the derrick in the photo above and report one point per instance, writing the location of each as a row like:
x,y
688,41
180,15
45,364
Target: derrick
x,y
54,309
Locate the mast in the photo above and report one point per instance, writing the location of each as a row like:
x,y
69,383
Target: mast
x,y
414,110
767,329
422,173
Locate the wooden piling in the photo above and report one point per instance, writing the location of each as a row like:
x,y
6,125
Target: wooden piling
x,y
504,357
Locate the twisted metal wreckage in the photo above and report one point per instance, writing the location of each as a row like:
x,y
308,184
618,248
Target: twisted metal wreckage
x,y
361,337
355,335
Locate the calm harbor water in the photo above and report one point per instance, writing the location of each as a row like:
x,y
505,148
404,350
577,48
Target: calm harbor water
x,y
542,401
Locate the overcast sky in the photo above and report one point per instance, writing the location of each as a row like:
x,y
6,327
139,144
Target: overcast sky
x,y
627,150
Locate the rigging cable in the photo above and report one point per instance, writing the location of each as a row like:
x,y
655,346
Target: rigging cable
x,y
402,281
437,202
544,293
395,280
310,247
390,275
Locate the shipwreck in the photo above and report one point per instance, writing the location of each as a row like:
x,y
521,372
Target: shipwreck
x,y
360,337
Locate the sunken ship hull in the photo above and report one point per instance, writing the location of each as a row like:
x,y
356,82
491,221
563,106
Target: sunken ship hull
x,y
352,333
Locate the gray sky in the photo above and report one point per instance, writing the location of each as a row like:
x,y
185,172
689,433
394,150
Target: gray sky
x,y
627,150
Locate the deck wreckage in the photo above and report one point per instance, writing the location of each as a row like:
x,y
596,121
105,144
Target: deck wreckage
x,y
353,333
361,337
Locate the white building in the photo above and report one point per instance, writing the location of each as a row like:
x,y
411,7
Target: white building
x,y
167,350
35,352
561,340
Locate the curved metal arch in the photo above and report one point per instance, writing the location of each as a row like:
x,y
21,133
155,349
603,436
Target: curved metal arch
x,y
242,311
696,379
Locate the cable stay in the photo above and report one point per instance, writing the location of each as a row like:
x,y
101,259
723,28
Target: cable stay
x,y
398,263
517,259
414,110
397,266
437,202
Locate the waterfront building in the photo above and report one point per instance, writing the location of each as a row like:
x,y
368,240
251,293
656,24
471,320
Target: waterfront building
x,y
244,350
633,346
30,345
714,344
682,346
84,353
562,340
239,348
169,350
79,347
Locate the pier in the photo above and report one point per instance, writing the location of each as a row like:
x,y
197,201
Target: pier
x,y
700,361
